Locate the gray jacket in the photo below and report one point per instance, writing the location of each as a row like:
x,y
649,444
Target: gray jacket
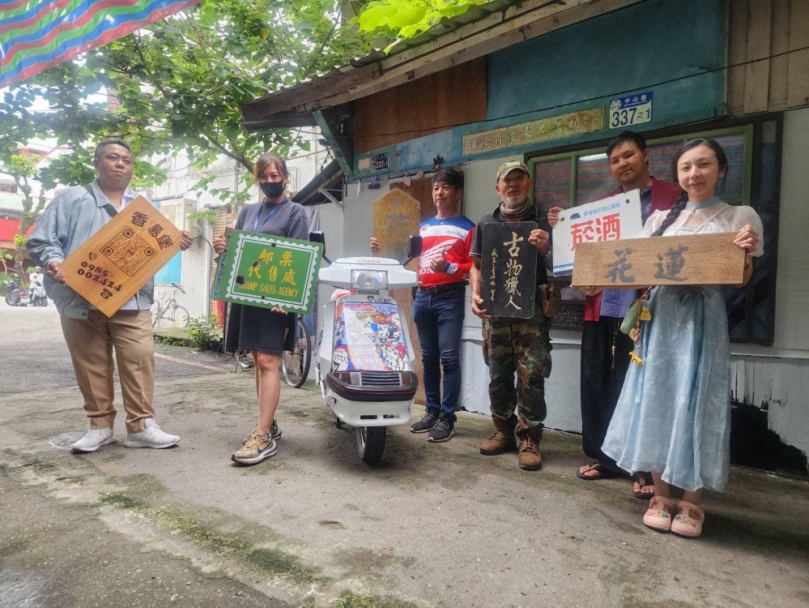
x,y
65,225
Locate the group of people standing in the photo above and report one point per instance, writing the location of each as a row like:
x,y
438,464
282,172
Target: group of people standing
x,y
666,421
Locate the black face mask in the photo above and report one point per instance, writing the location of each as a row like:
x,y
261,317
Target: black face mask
x,y
272,189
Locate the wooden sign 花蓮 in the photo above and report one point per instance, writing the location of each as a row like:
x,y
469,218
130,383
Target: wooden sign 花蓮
x,y
120,258
268,271
698,259
508,269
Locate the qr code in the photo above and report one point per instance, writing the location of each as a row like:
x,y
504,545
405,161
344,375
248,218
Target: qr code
x,y
128,251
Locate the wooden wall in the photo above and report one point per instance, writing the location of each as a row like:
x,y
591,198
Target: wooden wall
x,y
434,103
760,29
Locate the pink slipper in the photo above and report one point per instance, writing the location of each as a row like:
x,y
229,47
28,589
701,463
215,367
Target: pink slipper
x,y
658,517
688,521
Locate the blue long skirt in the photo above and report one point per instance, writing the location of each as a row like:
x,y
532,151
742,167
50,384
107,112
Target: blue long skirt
x,y
673,415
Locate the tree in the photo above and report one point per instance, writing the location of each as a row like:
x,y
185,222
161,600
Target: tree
x,y
23,169
177,85
399,20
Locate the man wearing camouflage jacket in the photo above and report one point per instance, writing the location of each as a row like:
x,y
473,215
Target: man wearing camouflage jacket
x,y
515,345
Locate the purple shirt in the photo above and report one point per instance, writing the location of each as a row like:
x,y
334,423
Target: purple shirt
x,y
615,302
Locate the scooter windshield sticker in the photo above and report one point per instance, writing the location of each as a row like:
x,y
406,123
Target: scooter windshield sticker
x,y
369,337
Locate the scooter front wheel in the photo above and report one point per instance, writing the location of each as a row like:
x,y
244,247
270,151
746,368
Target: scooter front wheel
x,y
371,443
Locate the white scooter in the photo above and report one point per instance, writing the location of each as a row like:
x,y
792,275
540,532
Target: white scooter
x,y
364,355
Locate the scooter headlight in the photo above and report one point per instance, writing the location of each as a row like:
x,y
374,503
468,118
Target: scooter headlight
x,y
362,280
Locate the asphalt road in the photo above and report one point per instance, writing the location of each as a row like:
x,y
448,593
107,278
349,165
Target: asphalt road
x,y
35,356
433,526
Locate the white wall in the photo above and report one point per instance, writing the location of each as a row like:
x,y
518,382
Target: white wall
x,y
778,378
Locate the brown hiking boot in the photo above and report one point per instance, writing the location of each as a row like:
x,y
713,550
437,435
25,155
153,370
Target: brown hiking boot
x,y
529,454
503,439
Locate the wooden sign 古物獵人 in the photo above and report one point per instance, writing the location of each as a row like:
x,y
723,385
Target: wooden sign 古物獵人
x,y
698,259
508,269
120,258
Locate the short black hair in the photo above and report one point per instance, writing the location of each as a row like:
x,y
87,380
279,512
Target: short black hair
x,y
111,142
449,176
627,136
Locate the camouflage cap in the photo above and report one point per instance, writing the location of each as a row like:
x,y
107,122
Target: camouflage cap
x,y
510,166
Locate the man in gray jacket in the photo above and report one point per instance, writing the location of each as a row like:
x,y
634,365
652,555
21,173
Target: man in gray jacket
x,y
67,223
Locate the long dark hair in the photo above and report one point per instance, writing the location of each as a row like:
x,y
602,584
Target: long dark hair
x,y
679,205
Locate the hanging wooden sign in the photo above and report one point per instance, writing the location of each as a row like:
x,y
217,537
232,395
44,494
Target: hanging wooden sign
x,y
120,258
396,217
508,268
699,259
268,271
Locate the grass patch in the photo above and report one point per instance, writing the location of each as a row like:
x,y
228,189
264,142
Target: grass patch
x,y
349,599
271,561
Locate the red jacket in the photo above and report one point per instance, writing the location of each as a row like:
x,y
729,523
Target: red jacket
x,y
664,195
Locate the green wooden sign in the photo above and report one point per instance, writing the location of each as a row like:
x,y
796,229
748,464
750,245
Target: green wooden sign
x,y
268,271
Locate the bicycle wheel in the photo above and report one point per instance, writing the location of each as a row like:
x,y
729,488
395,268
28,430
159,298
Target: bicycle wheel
x,y
295,364
181,316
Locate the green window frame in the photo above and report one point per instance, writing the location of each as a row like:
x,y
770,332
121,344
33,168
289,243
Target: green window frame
x,y
574,157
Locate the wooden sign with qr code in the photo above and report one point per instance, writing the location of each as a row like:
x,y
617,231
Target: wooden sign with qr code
x,y
120,258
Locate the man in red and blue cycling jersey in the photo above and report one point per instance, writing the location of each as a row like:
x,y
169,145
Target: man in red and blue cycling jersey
x,y
438,309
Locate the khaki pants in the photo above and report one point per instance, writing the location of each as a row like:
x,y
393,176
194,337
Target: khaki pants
x,y
91,342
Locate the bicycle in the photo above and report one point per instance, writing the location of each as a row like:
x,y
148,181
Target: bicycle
x,y
170,313
295,364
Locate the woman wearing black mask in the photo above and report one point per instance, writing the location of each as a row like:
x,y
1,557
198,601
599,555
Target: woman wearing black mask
x,y
261,331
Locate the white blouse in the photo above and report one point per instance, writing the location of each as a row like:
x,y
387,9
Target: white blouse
x,y
718,218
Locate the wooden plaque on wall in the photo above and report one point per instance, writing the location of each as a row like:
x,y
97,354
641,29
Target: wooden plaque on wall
x,y
120,258
699,259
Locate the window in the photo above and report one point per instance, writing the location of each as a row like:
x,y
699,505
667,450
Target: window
x,y
12,188
582,176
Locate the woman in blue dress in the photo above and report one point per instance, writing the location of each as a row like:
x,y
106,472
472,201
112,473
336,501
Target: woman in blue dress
x,y
673,415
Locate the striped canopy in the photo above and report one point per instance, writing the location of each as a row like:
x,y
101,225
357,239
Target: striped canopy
x,y
38,34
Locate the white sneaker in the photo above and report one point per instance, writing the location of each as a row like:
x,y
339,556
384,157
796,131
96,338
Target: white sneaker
x,y
92,440
150,437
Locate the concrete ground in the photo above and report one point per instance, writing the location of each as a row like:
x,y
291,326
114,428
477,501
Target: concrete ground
x,y
434,525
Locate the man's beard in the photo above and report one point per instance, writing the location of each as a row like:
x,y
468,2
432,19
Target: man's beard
x,y
514,206
513,202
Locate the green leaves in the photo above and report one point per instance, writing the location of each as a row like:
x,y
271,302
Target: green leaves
x,y
402,19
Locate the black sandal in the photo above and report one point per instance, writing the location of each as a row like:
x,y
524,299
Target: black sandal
x,y
604,472
643,480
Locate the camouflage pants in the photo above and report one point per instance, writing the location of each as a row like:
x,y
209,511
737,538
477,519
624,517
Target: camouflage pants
x,y
522,346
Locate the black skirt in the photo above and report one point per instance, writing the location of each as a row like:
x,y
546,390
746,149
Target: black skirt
x,y
254,328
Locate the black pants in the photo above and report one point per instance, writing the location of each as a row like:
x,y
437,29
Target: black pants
x,y
602,378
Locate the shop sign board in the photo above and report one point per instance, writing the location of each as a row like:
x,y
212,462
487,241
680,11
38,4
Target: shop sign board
x,y
696,259
535,131
508,268
631,110
268,271
119,259
608,219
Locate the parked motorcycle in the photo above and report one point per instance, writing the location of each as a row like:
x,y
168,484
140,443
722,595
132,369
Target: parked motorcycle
x,y
37,295
16,295
365,360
